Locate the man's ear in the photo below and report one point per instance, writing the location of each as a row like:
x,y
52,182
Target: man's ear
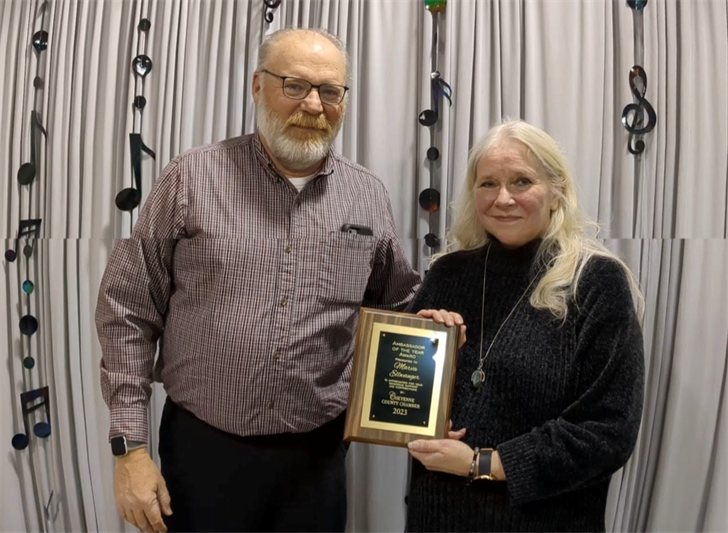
x,y
257,86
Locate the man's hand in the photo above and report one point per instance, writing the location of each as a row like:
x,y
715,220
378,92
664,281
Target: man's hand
x,y
444,455
141,493
448,318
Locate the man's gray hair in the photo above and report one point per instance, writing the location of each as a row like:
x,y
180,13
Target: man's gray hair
x,y
269,43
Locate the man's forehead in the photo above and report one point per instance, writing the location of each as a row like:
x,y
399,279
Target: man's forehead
x,y
307,54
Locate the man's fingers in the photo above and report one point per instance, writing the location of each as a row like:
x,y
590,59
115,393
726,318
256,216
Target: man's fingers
x,y
165,501
141,521
154,517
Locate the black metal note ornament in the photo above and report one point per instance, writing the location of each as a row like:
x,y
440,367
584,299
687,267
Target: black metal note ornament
x,y
270,7
438,88
128,199
633,115
27,171
29,229
31,401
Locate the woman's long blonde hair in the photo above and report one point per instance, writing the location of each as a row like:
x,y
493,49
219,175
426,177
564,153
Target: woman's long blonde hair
x,y
566,240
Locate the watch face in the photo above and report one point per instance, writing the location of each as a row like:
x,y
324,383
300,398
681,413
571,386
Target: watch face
x,y
118,446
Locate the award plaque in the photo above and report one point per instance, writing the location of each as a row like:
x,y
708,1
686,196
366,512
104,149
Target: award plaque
x,y
402,379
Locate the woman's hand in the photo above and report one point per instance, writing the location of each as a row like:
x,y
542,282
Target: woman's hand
x,y
448,318
444,455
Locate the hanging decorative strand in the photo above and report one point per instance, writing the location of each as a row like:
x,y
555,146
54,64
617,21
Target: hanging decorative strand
x,y
633,115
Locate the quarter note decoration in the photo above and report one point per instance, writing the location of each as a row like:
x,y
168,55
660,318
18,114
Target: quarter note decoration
x,y
270,7
438,88
28,228
27,171
129,198
31,401
633,115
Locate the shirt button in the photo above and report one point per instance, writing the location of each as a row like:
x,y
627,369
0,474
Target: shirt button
x,y
277,356
288,249
284,302
270,405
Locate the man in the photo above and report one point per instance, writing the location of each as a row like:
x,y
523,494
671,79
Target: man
x,y
249,263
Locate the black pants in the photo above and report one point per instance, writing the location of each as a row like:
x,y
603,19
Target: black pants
x,y
223,482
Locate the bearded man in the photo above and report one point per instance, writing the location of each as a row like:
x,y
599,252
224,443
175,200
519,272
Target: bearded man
x,y
247,268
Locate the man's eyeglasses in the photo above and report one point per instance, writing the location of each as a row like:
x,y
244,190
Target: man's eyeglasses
x,y
298,89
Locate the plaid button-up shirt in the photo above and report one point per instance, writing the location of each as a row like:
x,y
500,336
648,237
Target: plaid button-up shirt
x,y
251,288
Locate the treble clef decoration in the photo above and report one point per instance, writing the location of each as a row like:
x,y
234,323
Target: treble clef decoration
x,y
270,7
633,115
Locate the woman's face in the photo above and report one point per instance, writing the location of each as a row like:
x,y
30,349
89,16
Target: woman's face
x,y
513,198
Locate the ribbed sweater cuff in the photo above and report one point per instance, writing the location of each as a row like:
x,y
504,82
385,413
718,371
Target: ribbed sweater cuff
x,y
521,467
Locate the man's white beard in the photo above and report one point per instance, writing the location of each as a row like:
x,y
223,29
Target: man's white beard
x,y
294,154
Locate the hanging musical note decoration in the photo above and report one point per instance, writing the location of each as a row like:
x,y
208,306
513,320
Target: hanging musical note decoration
x,y
129,198
270,6
633,115
29,403
30,230
27,171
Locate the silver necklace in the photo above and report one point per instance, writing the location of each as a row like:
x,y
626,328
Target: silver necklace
x,y
478,376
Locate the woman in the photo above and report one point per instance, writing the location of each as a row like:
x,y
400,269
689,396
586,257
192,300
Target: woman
x,y
549,386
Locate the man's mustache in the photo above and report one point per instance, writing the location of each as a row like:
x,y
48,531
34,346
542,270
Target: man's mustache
x,y
309,121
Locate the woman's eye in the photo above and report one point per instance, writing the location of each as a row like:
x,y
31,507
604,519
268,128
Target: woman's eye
x,y
524,181
488,184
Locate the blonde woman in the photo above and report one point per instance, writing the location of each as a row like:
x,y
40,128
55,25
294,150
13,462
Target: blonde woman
x,y
549,386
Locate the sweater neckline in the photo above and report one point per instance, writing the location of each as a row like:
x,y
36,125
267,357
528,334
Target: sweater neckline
x,y
514,261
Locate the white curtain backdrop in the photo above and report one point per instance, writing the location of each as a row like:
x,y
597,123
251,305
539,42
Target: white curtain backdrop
x,y
560,64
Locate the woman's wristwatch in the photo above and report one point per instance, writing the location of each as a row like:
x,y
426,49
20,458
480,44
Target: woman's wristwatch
x,y
480,467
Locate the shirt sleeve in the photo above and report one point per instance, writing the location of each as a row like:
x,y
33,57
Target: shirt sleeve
x,y
596,433
132,304
392,282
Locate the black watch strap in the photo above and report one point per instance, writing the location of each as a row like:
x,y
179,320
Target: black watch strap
x,y
484,462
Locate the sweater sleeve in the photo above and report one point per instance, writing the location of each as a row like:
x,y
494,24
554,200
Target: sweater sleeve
x,y
430,289
594,436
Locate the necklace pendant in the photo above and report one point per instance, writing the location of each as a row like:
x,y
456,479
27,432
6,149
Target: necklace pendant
x,y
478,378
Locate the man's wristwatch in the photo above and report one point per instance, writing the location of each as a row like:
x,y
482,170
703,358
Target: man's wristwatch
x,y
120,446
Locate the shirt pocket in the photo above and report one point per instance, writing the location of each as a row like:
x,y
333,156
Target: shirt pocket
x,y
346,264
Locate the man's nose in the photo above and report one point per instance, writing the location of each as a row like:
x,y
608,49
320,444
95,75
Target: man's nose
x,y
312,103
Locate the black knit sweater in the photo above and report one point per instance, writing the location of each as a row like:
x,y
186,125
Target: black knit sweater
x,y
561,402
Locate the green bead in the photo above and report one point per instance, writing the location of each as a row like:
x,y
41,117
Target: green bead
x,y
435,5
28,362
